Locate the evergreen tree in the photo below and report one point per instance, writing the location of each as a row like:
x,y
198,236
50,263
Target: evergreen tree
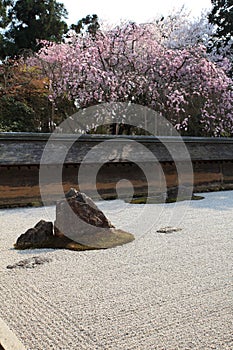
x,y
222,16
88,23
222,40
29,22
4,18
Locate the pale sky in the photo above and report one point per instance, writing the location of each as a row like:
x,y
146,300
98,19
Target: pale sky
x,y
140,11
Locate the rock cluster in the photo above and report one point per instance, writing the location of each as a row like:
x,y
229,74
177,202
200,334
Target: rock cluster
x,y
79,225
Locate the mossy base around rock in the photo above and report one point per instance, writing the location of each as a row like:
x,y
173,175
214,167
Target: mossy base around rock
x,y
101,239
104,239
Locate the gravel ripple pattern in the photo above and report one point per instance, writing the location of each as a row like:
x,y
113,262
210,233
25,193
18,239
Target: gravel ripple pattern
x,y
162,291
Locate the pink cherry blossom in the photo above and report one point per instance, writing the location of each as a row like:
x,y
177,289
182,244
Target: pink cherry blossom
x,y
131,63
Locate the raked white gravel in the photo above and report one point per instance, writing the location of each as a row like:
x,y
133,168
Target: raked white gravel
x,y
162,291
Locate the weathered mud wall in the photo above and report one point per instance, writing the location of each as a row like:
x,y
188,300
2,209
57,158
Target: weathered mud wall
x,y
21,156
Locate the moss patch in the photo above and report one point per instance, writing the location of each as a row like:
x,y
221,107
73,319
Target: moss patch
x,y
157,200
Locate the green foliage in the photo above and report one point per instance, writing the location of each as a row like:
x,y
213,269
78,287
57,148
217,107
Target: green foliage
x,y
88,23
16,115
118,129
32,114
4,18
31,21
222,41
24,103
222,16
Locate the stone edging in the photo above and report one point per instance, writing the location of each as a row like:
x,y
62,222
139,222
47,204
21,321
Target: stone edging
x,y
8,339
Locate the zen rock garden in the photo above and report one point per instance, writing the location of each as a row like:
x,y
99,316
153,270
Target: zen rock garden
x,y
88,228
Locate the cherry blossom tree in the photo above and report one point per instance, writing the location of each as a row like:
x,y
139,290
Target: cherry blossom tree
x,y
179,30
131,63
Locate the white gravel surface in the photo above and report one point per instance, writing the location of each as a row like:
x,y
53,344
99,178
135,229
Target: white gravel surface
x,y
162,291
